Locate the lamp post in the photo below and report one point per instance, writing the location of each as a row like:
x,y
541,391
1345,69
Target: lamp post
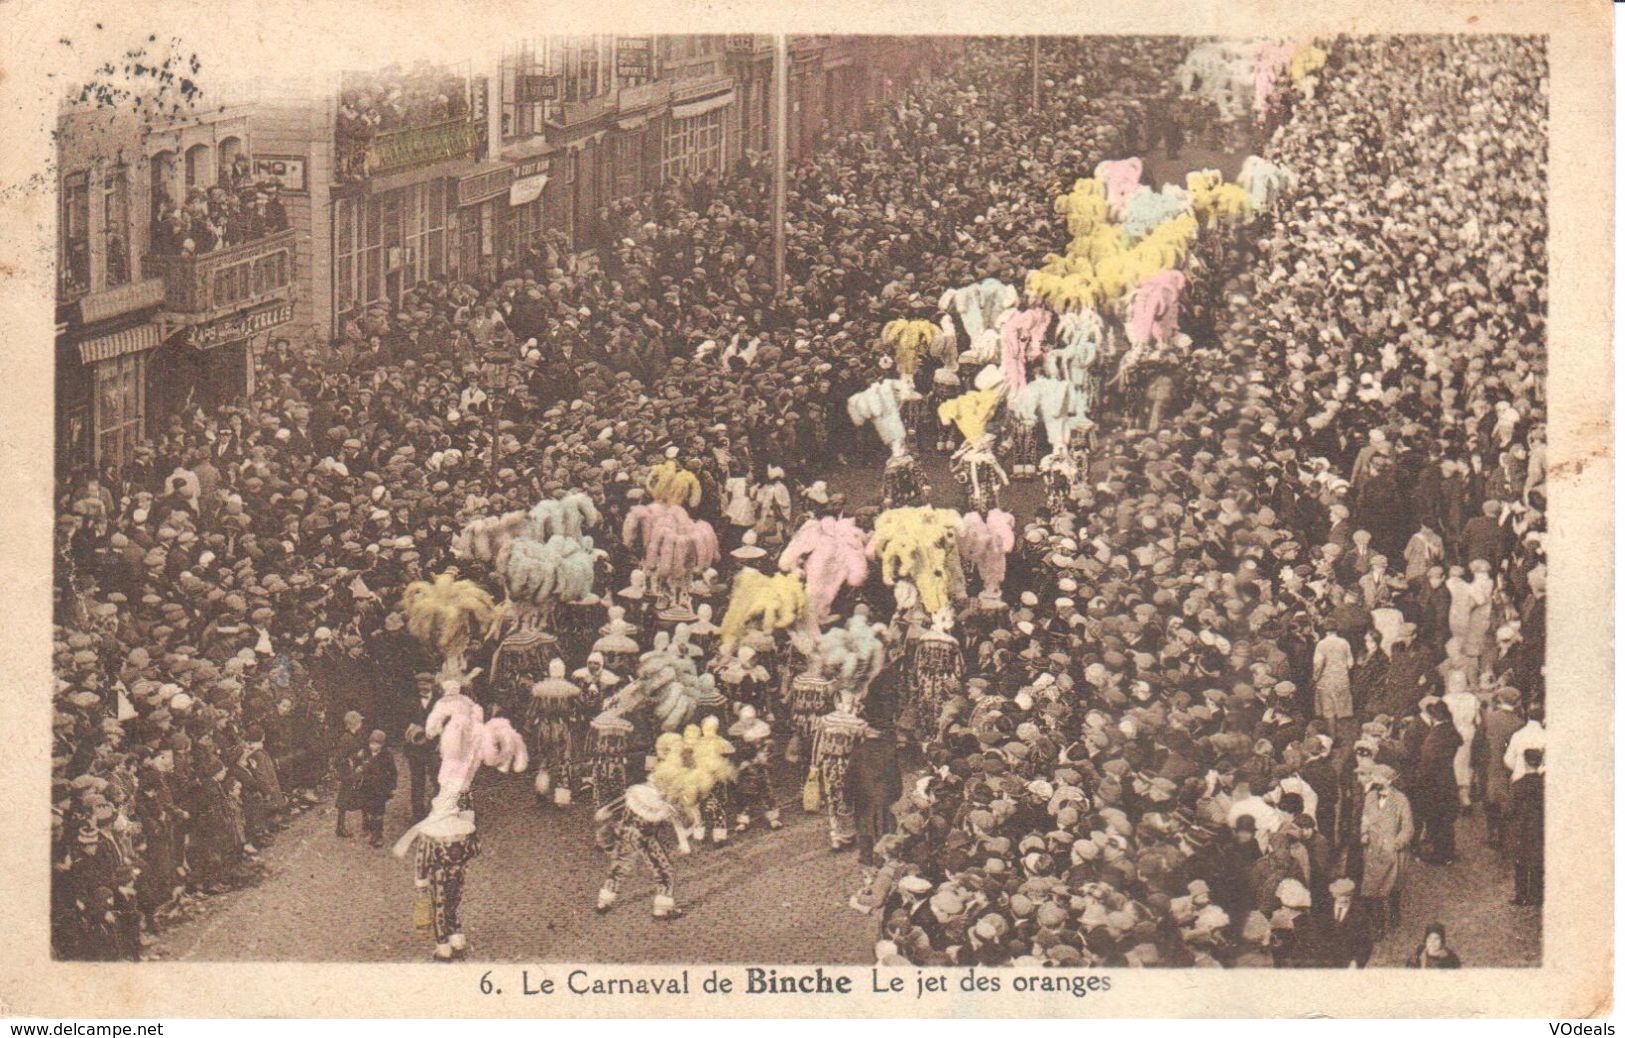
x,y
781,120
1035,73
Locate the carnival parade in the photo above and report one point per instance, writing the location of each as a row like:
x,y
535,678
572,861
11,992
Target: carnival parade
x,y
1085,556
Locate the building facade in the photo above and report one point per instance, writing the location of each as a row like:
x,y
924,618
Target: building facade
x,y
169,273
410,174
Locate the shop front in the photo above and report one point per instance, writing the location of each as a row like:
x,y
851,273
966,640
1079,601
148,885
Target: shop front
x,y
696,137
211,365
387,241
527,216
479,202
102,402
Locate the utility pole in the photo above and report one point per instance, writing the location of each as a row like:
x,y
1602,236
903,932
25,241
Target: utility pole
x,y
1035,73
781,120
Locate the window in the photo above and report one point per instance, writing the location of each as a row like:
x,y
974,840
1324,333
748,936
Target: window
x,y
521,75
692,146
198,171
357,248
116,227
434,234
344,253
164,194
581,70
762,99
73,265
412,219
120,405
372,254
426,230
525,223
229,170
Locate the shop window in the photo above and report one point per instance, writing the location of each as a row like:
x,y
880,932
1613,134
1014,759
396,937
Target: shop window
x,y
344,254
692,146
120,405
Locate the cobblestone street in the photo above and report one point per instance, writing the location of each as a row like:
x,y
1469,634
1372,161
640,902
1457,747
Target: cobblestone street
x,y
768,897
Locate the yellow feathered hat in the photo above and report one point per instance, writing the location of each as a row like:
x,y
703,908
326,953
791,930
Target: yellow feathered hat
x,y
446,613
764,603
671,484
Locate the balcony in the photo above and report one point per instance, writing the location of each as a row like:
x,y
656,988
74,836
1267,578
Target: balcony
x,y
407,148
199,288
574,113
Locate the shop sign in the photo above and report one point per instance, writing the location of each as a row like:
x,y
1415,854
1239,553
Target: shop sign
x,y
533,89
287,170
239,326
480,186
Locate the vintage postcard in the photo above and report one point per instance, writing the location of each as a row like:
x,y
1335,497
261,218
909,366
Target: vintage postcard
x,y
875,509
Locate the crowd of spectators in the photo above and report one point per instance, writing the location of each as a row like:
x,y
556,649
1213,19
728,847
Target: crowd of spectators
x,y
1302,630
236,210
393,99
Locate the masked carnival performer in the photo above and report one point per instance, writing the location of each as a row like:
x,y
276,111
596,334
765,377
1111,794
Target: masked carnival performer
x,y
938,670
838,732
556,706
753,786
633,827
446,841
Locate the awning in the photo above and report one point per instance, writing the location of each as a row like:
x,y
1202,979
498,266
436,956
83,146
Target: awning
x,y
130,340
635,123
691,109
529,189
115,302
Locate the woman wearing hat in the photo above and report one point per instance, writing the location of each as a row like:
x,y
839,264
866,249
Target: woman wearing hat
x,y
1433,953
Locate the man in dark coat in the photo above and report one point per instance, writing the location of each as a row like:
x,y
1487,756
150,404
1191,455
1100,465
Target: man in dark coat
x,y
1500,722
1526,828
422,753
347,750
1435,797
874,782
395,657
1483,538
1341,935
1231,889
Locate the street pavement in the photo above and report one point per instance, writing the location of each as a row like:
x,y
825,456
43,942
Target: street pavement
x,y
768,897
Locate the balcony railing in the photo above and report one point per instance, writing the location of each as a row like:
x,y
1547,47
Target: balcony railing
x,y
73,273
226,279
573,113
407,148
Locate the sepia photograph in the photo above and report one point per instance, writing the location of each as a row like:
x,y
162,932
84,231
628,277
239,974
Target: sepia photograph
x,y
1057,504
